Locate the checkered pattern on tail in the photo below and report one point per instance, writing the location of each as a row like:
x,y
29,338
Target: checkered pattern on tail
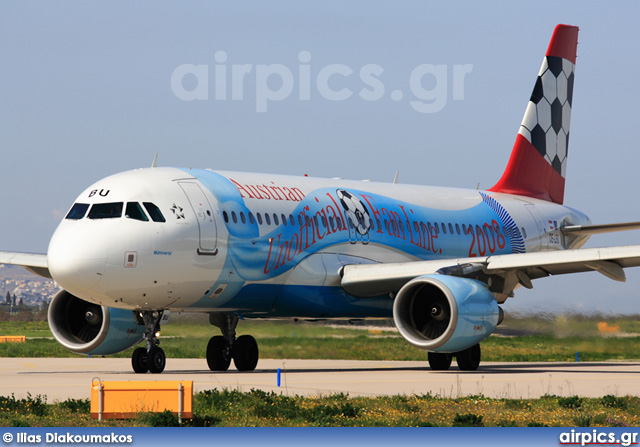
x,y
517,241
548,116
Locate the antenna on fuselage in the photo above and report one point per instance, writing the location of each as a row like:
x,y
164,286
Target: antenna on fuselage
x,y
395,179
155,161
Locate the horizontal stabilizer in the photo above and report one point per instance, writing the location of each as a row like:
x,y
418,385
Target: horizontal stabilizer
x,y
587,230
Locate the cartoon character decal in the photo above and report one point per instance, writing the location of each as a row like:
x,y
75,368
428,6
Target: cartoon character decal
x,y
359,221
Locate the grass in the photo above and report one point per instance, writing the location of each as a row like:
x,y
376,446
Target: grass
x,y
545,339
231,408
540,339
362,347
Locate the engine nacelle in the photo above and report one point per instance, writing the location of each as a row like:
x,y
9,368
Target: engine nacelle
x,y
86,328
441,313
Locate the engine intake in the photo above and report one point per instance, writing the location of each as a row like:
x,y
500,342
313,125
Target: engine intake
x,y
442,313
87,328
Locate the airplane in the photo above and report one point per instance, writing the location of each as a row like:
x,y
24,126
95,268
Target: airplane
x,y
441,262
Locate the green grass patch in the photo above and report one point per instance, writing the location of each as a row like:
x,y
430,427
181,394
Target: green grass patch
x,y
256,408
281,340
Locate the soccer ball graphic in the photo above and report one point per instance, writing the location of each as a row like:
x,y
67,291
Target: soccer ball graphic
x,y
356,212
548,115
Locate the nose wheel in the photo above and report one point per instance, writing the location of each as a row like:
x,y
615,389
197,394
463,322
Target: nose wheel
x,y
152,358
223,348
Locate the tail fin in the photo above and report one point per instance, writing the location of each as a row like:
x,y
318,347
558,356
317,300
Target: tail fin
x,y
538,162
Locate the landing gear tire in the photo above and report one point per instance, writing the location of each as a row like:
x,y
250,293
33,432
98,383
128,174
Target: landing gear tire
x,y
469,359
218,354
156,360
139,361
245,353
439,361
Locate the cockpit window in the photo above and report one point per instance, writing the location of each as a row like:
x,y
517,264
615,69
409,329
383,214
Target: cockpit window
x,y
77,211
134,211
106,211
154,212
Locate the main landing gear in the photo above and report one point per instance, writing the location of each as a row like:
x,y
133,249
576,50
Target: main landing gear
x,y
222,348
152,358
468,360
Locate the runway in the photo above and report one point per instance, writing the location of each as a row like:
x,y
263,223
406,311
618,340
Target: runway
x,y
63,378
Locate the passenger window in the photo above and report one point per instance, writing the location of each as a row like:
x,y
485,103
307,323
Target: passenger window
x,y
154,212
259,216
284,219
275,219
457,228
450,228
444,228
292,221
134,211
234,217
242,218
106,211
252,220
267,219
225,216
77,211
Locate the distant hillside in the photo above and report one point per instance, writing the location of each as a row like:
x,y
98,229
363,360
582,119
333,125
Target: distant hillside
x,y
18,273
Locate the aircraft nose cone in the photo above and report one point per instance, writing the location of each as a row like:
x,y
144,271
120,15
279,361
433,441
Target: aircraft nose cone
x,y
77,260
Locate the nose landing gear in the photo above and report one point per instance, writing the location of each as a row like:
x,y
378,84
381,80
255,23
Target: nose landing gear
x,y
152,358
222,348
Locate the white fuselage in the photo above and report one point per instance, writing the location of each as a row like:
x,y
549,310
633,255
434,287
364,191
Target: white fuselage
x,y
274,244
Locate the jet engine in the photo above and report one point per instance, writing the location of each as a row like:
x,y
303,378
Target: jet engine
x,y
87,328
448,314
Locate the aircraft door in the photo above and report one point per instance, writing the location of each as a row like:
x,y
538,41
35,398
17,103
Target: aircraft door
x,y
205,217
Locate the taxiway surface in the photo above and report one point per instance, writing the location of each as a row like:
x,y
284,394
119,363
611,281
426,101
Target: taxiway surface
x,y
63,378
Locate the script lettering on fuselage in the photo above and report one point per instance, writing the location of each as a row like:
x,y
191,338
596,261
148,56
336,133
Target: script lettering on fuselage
x,y
324,219
269,192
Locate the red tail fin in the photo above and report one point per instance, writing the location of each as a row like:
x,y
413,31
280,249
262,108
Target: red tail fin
x,y
538,162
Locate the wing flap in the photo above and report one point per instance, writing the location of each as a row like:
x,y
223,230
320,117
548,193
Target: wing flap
x,y
378,279
35,263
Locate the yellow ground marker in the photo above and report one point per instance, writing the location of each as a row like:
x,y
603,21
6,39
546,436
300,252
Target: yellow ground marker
x,y
12,338
118,400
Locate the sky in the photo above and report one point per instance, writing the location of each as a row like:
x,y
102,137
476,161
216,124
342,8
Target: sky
x,y
359,90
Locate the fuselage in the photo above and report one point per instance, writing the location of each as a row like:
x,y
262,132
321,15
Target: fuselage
x,y
273,245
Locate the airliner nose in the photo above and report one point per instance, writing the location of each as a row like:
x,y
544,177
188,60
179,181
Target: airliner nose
x,y
77,259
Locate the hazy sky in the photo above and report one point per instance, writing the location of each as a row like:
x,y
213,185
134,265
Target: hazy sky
x,y
86,91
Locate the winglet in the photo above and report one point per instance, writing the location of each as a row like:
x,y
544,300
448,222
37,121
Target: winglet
x,y
538,163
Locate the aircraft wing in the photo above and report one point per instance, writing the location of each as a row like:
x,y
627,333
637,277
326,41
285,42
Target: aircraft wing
x,y
35,263
366,280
